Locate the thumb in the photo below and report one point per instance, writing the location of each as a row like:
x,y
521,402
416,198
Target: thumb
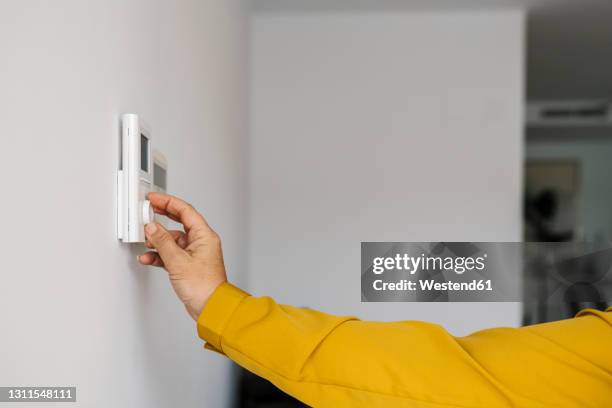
x,y
163,241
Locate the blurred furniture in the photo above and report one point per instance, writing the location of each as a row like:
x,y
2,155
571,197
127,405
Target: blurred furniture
x,y
255,392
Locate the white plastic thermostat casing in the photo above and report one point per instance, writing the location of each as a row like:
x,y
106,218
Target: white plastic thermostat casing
x,y
134,179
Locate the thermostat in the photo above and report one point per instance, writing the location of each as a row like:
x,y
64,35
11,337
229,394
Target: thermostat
x,y
160,172
134,179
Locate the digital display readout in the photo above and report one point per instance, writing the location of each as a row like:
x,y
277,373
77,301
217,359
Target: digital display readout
x,y
144,153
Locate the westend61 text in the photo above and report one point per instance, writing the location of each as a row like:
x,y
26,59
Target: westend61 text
x,y
429,285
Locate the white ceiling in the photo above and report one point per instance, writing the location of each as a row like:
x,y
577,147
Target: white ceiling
x,y
380,5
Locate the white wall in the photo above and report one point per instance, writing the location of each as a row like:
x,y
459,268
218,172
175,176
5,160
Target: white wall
x,y
75,307
381,126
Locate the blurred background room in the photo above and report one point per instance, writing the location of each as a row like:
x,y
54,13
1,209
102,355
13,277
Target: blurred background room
x,y
425,121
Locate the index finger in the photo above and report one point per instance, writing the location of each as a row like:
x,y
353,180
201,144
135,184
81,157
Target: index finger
x,y
178,210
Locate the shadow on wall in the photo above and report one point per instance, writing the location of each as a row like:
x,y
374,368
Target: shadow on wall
x,y
148,346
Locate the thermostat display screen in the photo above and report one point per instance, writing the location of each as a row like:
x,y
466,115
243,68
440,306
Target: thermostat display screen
x,y
159,176
144,153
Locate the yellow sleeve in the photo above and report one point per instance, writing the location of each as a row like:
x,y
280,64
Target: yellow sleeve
x,y
331,361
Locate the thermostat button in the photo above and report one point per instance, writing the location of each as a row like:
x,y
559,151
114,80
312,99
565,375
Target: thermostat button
x,y
148,215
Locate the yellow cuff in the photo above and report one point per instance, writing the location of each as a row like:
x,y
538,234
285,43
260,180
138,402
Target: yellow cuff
x,y
217,313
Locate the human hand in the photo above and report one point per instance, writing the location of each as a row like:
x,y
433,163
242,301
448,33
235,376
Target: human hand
x,y
193,258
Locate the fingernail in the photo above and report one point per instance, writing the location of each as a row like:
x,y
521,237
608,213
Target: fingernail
x,y
150,228
138,258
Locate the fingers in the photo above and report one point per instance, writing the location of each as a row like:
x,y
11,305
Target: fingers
x,y
167,249
179,237
151,258
178,210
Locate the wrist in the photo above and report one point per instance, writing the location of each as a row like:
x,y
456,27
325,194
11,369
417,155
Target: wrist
x,y
196,306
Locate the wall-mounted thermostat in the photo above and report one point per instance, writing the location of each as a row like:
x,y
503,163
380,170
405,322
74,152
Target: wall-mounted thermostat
x,y
134,179
160,178
160,172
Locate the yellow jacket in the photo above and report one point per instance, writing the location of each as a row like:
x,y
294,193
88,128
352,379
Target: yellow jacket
x,y
331,361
